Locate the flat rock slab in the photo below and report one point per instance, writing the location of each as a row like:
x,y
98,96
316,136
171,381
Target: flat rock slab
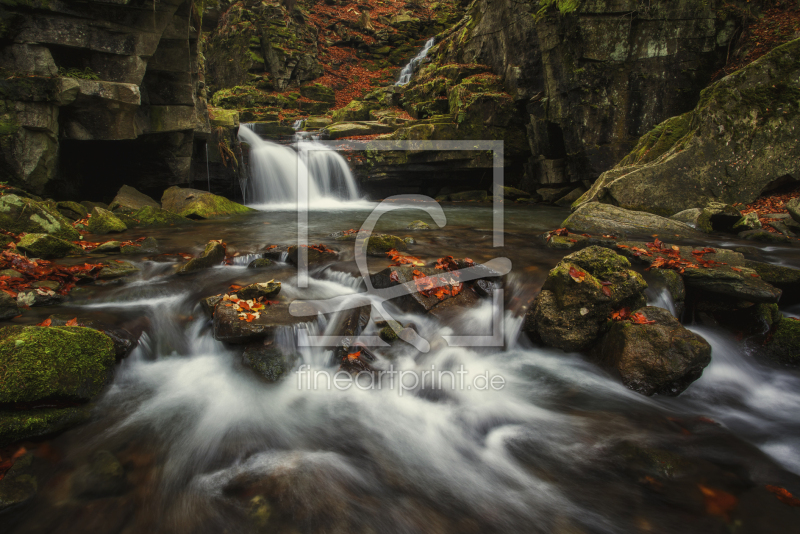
x,y
416,301
229,328
597,219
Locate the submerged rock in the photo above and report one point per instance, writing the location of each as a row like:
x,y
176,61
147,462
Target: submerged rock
x,y
380,244
260,263
53,362
196,204
20,215
129,199
269,361
212,255
661,358
579,295
46,246
229,327
104,222
597,219
18,485
418,225
102,477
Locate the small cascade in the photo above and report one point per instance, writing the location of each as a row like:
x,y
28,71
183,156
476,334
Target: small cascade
x,y
273,172
408,70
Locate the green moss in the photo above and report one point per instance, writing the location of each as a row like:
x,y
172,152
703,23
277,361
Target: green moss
x,y
784,346
153,216
381,243
212,206
104,222
674,132
53,362
85,74
46,246
19,425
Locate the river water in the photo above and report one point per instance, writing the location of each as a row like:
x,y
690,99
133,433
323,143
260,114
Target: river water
x,y
562,447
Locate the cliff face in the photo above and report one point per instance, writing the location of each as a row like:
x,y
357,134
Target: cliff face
x,y
98,93
590,81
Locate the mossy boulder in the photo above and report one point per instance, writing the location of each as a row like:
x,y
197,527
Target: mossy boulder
x,y
53,363
661,358
46,246
17,425
783,342
269,361
747,222
104,222
793,207
147,246
18,215
738,141
418,225
155,216
129,199
380,244
597,219
763,235
72,210
196,204
213,254
260,263
356,110
318,93
266,290
8,306
18,485
572,310
787,279
117,269
694,218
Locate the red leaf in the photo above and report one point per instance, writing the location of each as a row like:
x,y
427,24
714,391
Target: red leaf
x,y
783,495
638,318
46,322
73,322
394,277
718,502
606,291
576,275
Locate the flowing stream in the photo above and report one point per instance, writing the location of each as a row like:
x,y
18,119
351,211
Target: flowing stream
x,y
209,447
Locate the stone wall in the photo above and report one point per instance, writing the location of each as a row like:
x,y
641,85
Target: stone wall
x,y
99,93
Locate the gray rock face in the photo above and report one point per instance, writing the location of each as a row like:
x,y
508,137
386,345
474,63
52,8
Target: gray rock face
x,y
596,218
578,297
19,215
129,199
663,358
733,146
572,71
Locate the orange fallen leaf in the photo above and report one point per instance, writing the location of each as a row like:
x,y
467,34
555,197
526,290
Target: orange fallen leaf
x,y
46,322
783,495
577,275
73,322
718,502
354,356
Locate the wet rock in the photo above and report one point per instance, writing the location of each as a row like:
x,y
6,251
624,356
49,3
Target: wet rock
x,y
17,425
8,306
739,285
574,305
464,196
269,361
551,194
229,328
356,110
148,246
260,263
53,362
782,228
388,334
47,246
348,326
18,485
317,255
763,235
89,205
663,358
42,296
380,244
155,216
102,477
123,340
564,242
266,290
20,215
72,210
212,255
784,278
209,304
722,217
276,252
104,222
350,129
129,199
107,247
418,225
117,269
694,218
793,207
598,219
510,193
747,222
196,204
570,197
783,342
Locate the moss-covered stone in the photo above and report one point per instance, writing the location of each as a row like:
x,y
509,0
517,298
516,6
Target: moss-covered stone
x,y
418,225
18,485
260,263
196,204
268,361
784,344
18,215
318,93
266,290
129,199
379,244
104,222
154,216
117,269
212,255
53,362
72,210
46,246
356,110
16,425
147,246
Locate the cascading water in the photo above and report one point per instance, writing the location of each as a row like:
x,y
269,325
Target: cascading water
x,y
274,172
408,70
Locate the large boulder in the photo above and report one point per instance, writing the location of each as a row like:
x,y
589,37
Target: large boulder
x,y
18,215
663,357
46,246
579,295
39,363
787,279
231,328
196,204
380,244
596,218
155,216
103,222
117,269
738,141
129,199
783,342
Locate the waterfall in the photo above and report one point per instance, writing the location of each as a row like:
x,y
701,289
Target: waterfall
x,y
408,70
273,172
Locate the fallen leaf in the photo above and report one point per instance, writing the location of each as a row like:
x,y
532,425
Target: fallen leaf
x,y
576,275
783,495
73,322
46,322
718,502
